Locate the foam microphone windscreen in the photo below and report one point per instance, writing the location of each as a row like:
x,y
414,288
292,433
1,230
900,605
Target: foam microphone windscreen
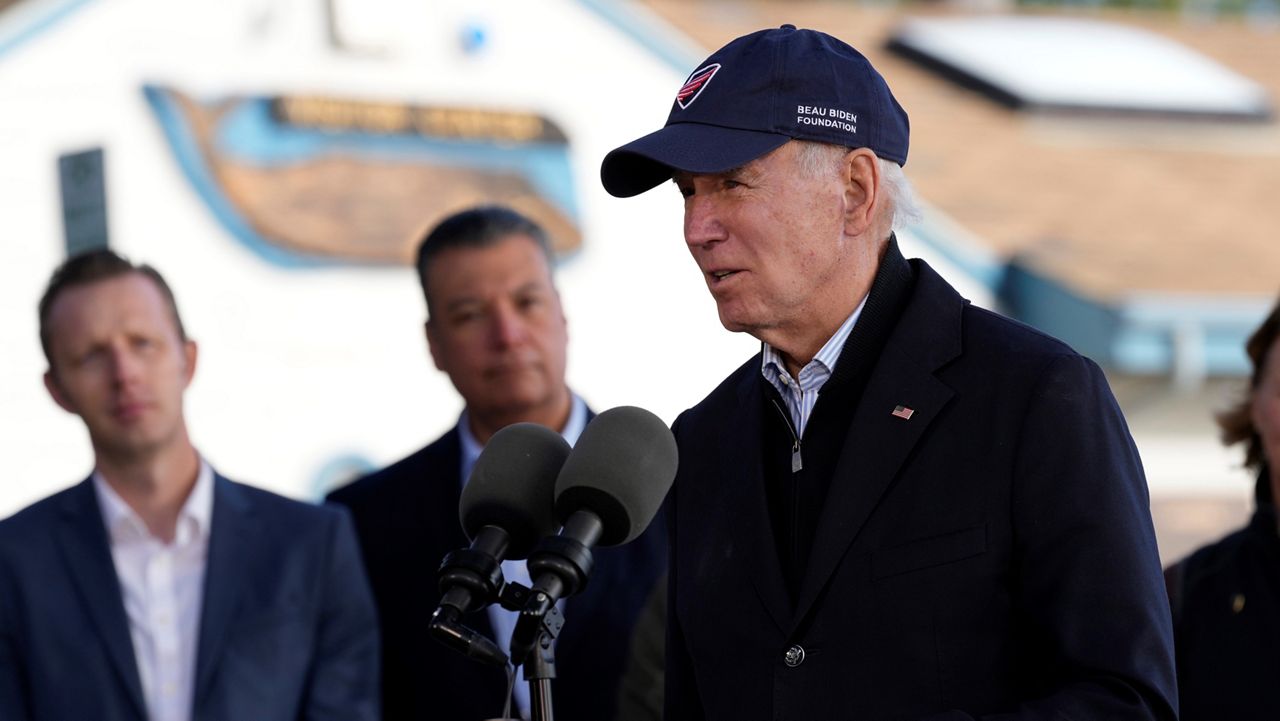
x,y
620,469
512,486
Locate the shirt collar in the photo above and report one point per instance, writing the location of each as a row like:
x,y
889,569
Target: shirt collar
x,y
124,524
471,448
774,368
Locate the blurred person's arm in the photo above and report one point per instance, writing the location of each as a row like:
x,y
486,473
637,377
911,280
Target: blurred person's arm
x,y
345,682
13,701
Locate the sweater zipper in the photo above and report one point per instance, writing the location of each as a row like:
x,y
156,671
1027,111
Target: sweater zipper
x,y
797,463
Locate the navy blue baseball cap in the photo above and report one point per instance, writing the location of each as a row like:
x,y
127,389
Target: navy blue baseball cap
x,y
752,96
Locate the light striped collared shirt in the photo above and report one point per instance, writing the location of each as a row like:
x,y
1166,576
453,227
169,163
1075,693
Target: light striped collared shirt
x,y
801,394
162,586
504,621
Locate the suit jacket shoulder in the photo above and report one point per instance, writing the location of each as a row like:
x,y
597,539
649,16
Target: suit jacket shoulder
x,y
36,518
411,504
393,491
292,513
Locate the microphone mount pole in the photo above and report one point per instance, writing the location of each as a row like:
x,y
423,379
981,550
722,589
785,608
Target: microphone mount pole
x,y
539,660
560,566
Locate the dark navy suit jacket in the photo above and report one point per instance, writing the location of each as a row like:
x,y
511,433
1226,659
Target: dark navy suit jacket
x,y
990,556
407,520
287,628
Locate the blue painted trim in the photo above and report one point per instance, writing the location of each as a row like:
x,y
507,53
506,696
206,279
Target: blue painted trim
x,y
1150,350
192,162
41,19
678,56
1083,323
1138,333
1223,323
984,267
1244,312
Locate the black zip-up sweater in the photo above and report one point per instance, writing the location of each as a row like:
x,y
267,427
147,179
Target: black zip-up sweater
x,y
796,498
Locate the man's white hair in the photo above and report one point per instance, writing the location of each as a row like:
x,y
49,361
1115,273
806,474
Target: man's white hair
x,y
817,158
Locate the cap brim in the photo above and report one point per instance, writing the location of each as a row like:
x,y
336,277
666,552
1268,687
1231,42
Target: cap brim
x,y
681,147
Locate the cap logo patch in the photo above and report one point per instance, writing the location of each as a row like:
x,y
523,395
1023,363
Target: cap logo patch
x,y
693,87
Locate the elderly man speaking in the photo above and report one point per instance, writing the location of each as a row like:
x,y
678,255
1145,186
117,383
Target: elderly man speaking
x,y
904,507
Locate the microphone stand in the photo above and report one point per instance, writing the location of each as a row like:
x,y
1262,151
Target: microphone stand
x,y
540,661
562,565
541,668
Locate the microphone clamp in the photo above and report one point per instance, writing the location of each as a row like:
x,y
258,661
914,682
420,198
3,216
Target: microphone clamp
x,y
537,626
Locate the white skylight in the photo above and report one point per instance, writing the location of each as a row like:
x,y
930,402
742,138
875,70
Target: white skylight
x,y
1076,64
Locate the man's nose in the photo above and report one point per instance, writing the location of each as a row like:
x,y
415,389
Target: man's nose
x,y
701,221
125,366
508,327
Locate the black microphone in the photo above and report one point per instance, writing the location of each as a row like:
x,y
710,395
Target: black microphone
x,y
607,493
506,506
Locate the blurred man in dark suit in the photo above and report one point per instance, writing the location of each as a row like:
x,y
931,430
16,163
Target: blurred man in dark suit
x,y
496,327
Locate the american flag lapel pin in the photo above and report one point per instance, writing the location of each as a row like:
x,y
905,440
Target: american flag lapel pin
x,y
903,412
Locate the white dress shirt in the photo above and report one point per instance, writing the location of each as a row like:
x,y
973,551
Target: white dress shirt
x,y
504,621
162,584
801,394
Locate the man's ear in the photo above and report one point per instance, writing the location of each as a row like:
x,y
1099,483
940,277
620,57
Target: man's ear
x,y
861,174
433,345
55,391
190,353
564,319
1255,411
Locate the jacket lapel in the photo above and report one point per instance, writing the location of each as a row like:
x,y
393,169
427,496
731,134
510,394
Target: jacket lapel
x,y
749,501
87,551
879,442
233,537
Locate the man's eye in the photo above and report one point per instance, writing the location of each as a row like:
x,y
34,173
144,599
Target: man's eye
x,y
685,191
93,356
